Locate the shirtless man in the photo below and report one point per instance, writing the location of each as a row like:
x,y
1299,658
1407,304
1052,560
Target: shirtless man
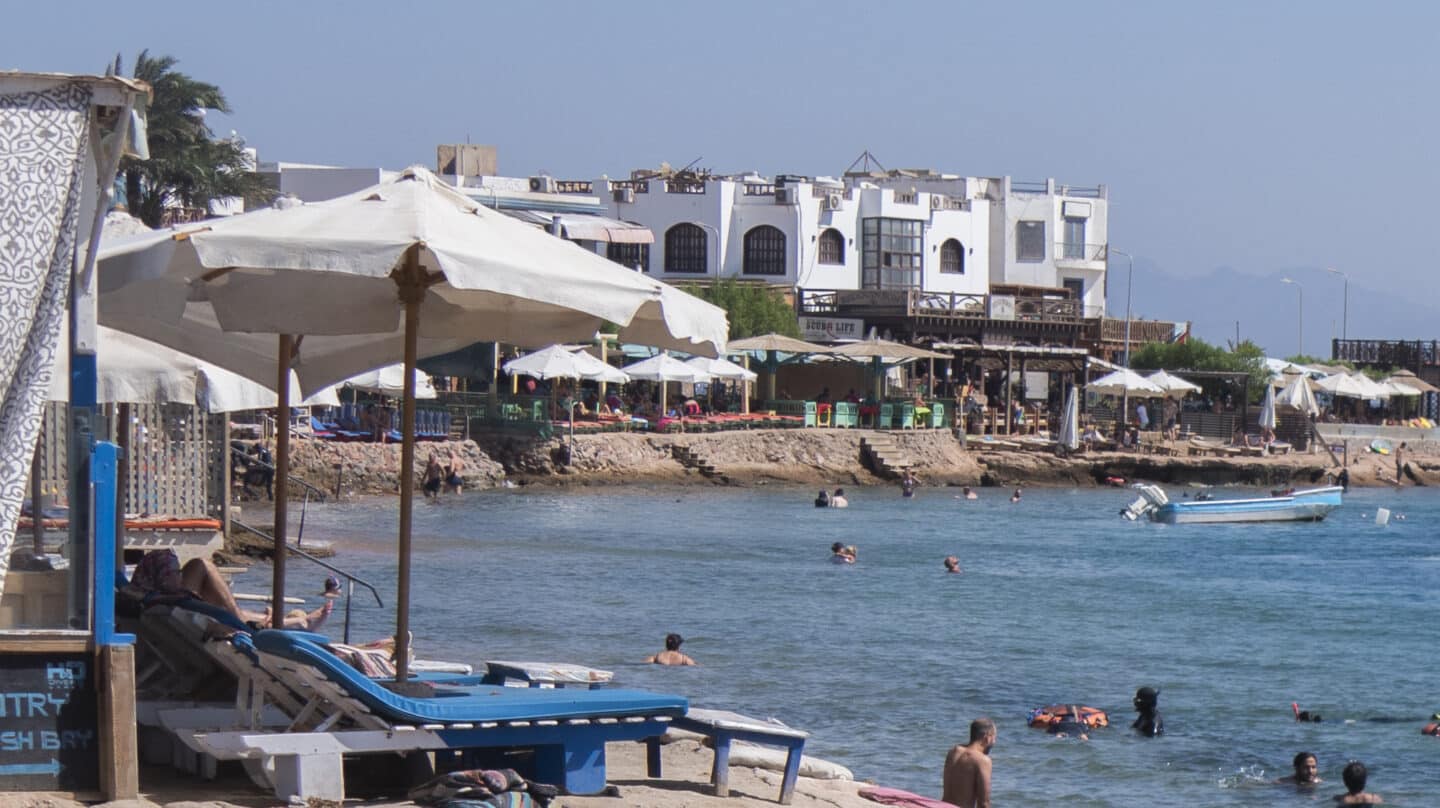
x,y
1354,776
671,655
454,479
967,768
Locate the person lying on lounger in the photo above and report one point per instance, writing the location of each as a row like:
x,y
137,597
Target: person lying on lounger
x,y
159,579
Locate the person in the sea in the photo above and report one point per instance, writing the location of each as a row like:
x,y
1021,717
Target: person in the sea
x,y
1354,776
1147,704
454,477
966,492
822,500
431,478
1307,771
966,776
841,554
838,500
908,483
672,654
1015,497
952,565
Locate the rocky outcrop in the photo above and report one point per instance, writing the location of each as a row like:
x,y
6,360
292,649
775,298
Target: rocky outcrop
x,y
374,468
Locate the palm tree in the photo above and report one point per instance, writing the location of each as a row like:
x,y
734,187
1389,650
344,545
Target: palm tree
x,y
188,167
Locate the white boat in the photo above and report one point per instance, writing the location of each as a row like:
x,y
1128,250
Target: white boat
x,y
1310,505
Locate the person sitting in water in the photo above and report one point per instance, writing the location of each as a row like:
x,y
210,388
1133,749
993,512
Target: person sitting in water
x,y
1354,776
952,565
430,479
841,554
671,655
822,500
838,500
1015,497
966,492
1147,704
908,483
1307,771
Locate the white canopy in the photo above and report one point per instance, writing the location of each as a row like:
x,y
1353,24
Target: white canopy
x,y
1352,386
390,381
1123,382
1069,437
1174,386
722,369
665,368
132,370
559,362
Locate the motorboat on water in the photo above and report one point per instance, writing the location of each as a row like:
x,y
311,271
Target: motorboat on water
x,y
1310,505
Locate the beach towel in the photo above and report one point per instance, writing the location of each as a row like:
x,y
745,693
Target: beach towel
x,y
895,796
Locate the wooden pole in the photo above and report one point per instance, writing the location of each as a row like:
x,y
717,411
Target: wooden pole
x,y
282,480
412,292
746,385
37,497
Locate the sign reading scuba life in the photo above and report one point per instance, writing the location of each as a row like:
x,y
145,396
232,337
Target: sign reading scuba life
x,y
48,734
831,329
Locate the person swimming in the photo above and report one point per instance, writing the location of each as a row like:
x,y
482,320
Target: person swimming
x,y
822,500
838,500
840,554
1016,496
968,493
952,564
1147,704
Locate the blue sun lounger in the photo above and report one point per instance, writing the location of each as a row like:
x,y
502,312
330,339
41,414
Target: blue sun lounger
x,y
566,728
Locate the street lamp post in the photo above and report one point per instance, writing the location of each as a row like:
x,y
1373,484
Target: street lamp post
x,y
1345,312
713,229
1301,318
1129,279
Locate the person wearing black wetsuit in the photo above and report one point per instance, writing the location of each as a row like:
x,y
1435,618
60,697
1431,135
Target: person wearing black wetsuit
x,y
1148,723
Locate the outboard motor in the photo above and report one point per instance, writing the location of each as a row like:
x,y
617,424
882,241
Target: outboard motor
x,y
1151,497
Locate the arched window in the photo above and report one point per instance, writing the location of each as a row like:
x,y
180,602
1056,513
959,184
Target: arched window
x,y
832,247
952,257
764,251
686,249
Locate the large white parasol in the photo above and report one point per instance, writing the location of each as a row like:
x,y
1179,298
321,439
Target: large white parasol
x,y
408,267
1125,382
1174,386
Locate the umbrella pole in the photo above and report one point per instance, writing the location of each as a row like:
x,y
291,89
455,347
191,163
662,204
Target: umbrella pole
x,y
412,291
745,387
281,482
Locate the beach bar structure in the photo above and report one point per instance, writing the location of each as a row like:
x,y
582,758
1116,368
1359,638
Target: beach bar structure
x,y
69,683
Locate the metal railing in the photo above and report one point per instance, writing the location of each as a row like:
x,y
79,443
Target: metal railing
x,y
948,305
1410,354
1075,251
350,579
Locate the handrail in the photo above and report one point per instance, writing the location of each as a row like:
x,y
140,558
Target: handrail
x,y
256,461
350,579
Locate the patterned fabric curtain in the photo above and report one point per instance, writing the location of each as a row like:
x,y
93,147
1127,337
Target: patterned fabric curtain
x,y
43,149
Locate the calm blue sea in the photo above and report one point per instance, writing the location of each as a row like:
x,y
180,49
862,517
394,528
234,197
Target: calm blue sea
x,y
886,662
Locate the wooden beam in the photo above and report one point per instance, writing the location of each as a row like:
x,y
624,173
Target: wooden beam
x,y
119,749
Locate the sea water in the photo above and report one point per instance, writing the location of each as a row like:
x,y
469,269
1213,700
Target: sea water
x,y
886,662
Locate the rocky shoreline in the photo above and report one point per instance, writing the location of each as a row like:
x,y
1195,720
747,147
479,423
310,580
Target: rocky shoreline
x,y
820,457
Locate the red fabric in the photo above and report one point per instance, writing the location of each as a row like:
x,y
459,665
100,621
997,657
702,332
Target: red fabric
x,y
894,796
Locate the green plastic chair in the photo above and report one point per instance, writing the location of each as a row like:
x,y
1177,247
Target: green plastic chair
x,y
809,413
907,416
887,416
937,415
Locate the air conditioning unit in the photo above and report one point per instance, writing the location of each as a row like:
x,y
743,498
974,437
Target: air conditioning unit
x,y
542,185
785,196
625,195
937,201
832,202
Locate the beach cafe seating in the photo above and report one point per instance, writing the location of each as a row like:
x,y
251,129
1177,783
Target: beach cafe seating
x,y
887,416
937,415
347,713
847,415
810,413
907,416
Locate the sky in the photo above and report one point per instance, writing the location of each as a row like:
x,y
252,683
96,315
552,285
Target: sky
x,y
1241,142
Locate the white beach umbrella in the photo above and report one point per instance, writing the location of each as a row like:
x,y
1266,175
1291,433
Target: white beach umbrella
x,y
722,369
1405,378
390,381
1297,395
1342,384
409,267
559,362
131,370
1267,409
1174,386
1069,437
666,368
1125,382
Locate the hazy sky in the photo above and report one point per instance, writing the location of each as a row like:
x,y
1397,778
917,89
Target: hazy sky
x,y
1263,138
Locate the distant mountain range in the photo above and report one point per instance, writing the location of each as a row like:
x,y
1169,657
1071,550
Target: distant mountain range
x,y
1266,308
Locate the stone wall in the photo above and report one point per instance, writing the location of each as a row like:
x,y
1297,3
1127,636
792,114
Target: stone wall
x,y
374,468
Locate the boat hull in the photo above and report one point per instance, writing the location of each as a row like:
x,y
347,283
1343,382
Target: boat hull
x,y
1302,506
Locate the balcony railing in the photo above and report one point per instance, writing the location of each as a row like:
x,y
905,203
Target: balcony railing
x,y
684,187
1112,329
574,186
638,186
759,189
944,305
1085,253
1410,354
